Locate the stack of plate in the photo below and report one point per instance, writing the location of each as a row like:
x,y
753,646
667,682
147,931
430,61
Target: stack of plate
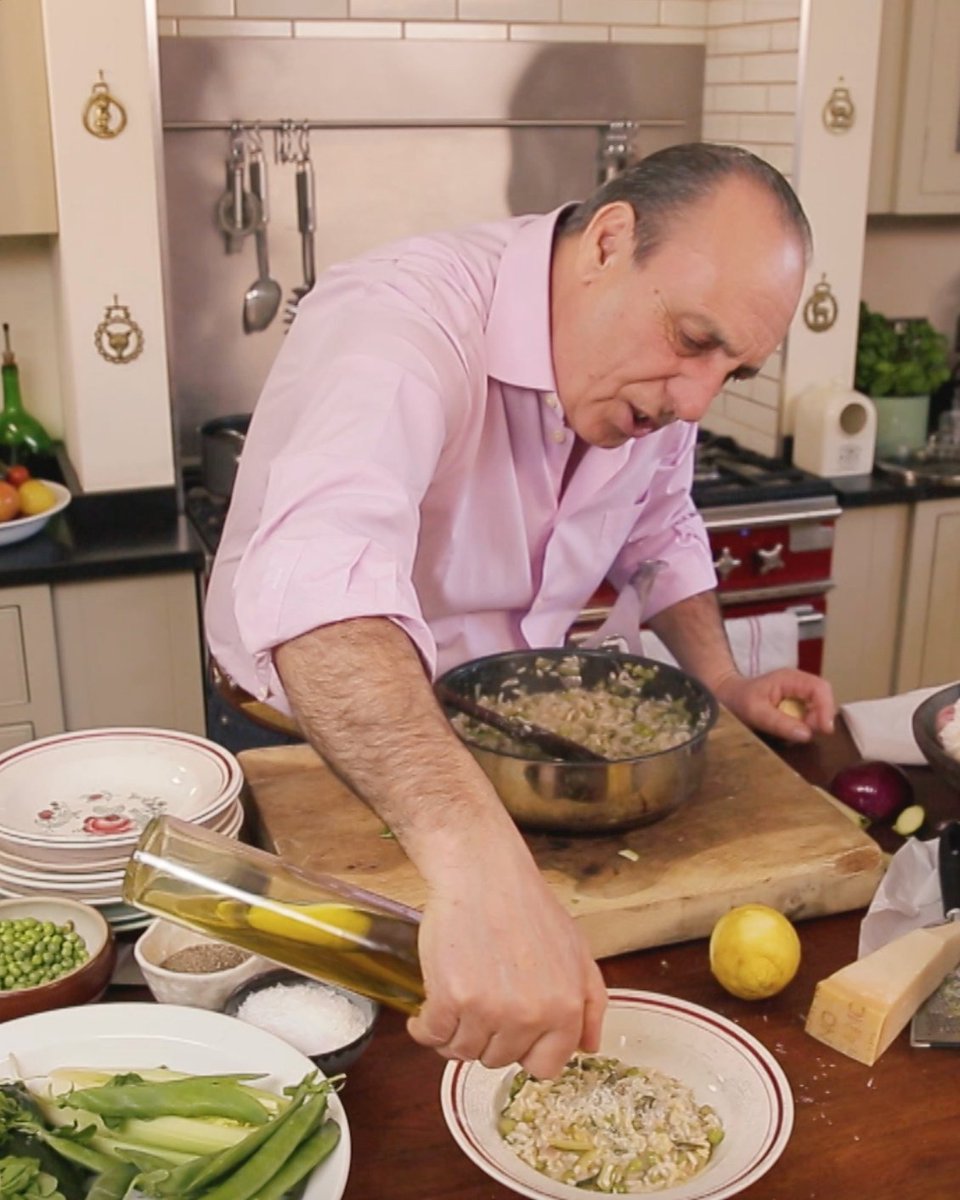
x,y
73,806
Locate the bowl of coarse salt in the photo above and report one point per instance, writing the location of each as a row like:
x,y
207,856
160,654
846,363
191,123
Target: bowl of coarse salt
x,y
329,1024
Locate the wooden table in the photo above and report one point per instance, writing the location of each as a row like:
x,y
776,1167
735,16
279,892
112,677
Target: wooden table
x,y
889,1132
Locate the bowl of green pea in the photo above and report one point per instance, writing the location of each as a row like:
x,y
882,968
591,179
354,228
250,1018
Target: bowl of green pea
x,y
54,953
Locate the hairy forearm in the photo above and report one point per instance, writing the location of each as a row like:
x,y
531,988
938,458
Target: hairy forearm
x,y
693,632
363,700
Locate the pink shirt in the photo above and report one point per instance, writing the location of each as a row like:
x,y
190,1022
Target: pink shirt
x,y
405,460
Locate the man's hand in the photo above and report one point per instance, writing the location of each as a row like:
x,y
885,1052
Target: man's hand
x,y
509,977
762,702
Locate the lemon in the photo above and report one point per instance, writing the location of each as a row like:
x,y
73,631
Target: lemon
x,y
35,497
754,951
336,926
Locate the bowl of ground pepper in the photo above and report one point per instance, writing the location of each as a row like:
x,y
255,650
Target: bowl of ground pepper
x,y
183,967
54,953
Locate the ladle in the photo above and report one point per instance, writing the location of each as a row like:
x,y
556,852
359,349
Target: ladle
x,y
262,299
520,731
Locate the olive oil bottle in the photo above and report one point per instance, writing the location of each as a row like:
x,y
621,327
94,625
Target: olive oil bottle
x,y
251,899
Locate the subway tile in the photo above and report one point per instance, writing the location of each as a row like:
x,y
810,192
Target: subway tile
x,y
785,35
611,12
770,68
558,33
369,30
656,35
291,9
724,12
738,98
404,10
720,127
195,8
508,10
769,127
782,98
771,10
267,29
723,68
744,39
684,12
460,31
780,157
166,27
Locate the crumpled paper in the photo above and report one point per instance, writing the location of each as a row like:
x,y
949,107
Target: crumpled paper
x,y
908,897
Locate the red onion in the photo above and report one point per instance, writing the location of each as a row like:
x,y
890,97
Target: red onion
x,y
878,790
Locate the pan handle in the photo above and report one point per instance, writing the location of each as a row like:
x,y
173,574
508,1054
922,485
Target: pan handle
x,y
949,869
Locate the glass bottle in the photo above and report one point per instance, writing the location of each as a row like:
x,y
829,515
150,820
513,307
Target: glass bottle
x,y
19,431
314,923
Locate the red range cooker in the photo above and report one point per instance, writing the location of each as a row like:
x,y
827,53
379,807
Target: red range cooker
x,y
771,531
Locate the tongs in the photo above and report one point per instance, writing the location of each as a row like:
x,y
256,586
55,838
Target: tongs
x,y
623,622
554,744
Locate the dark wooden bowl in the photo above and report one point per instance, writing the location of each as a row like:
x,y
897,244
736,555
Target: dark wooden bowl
x,y
925,732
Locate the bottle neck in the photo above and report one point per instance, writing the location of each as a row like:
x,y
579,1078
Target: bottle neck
x,y
12,400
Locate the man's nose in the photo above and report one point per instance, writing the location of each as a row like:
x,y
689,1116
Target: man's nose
x,y
693,390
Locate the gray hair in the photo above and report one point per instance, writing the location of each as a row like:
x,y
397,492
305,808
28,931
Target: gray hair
x,y
665,183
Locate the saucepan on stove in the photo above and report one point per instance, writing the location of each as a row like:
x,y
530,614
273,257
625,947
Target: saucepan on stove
x,y
649,720
221,443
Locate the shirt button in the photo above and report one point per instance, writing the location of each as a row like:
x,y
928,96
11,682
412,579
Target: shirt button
x,y
559,435
552,401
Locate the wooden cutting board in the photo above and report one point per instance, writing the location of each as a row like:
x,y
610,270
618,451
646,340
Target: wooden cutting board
x,y
756,831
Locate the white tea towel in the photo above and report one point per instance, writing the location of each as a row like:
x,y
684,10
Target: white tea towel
x,y
758,644
883,729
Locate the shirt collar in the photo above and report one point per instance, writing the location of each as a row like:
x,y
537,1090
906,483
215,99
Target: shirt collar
x,y
518,328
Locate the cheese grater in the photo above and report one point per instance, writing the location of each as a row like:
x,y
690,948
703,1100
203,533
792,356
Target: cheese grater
x,y
937,1021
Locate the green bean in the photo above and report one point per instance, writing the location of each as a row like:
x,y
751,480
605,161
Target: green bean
x,y
193,1177
309,1154
113,1183
247,1182
195,1097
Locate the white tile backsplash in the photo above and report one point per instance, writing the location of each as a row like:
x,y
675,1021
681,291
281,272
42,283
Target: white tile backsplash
x,y
509,10
769,68
235,28
559,33
306,9
458,31
612,12
408,10
195,8
684,12
657,35
348,29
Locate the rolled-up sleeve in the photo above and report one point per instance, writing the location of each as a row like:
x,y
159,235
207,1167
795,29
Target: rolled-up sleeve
x,y
668,527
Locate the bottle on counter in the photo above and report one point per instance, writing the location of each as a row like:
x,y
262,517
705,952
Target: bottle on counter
x,y
20,433
248,898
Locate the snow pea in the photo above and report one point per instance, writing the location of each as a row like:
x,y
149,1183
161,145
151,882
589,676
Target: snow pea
x,y
112,1184
197,1097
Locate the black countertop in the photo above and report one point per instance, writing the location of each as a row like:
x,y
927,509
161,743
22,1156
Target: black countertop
x,y
866,491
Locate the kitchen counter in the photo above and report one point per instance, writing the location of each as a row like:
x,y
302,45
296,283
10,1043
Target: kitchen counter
x,y
863,491
889,1130
106,536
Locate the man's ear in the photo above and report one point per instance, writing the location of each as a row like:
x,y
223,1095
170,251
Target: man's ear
x,y
608,239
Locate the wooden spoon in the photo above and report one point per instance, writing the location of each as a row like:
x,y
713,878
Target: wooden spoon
x,y
553,744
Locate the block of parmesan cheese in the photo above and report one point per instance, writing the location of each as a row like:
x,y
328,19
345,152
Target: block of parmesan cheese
x,y
861,1008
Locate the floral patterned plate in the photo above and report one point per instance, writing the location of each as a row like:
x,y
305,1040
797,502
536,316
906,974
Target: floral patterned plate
x,y
101,786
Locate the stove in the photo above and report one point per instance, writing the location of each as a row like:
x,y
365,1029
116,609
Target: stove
x,y
207,514
726,473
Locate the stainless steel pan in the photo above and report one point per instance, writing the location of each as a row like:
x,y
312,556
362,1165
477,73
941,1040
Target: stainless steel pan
x,y
221,444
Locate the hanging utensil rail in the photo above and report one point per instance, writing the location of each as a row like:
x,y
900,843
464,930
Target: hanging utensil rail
x,y
428,123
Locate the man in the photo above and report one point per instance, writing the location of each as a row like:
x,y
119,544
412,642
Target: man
x,y
462,437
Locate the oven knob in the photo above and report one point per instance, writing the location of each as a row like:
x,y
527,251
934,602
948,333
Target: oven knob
x,y
770,560
726,564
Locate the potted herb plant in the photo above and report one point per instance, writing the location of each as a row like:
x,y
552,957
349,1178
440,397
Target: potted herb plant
x,y
900,361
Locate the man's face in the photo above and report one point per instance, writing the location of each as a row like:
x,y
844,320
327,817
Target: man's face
x,y
636,346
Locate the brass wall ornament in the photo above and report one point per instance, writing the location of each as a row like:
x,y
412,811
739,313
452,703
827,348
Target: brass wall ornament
x,y
103,114
118,338
820,310
839,112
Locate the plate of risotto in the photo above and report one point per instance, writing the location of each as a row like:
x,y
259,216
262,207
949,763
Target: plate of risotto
x,y
679,1102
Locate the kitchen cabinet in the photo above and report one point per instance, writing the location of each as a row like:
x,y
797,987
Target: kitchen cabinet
x,y
28,202
863,610
929,649
98,653
916,153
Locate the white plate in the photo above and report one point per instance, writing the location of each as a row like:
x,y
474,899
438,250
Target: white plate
x,y
171,1035
100,787
18,529
725,1067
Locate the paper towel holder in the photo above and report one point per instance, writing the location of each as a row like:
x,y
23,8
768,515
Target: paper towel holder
x,y
835,431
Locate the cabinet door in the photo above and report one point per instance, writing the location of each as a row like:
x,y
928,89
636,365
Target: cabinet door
x,y
916,156
130,652
29,679
28,201
868,556
930,632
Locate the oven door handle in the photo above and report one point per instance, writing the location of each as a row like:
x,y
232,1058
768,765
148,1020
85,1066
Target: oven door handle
x,y
811,623
737,520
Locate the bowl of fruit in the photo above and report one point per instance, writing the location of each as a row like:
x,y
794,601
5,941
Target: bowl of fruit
x,y
27,504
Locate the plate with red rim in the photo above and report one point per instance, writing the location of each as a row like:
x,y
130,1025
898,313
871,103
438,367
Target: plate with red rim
x,y
98,788
724,1066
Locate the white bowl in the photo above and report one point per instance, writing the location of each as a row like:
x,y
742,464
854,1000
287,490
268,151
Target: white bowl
x,y
208,989
725,1067
96,789
17,529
